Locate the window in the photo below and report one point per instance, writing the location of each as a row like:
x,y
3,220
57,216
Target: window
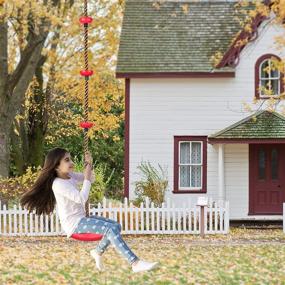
x,y
190,169
274,164
268,79
261,164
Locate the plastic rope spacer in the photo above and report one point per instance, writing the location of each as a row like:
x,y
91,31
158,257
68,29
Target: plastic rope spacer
x,y
86,125
86,72
85,20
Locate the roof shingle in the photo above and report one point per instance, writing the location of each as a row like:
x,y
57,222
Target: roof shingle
x,y
260,125
174,37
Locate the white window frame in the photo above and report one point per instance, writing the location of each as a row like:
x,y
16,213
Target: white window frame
x,y
269,78
195,164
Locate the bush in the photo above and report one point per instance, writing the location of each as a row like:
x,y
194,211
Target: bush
x,y
153,184
11,189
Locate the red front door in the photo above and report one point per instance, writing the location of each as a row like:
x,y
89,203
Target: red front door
x,y
266,178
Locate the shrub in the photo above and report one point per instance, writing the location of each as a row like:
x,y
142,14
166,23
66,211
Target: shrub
x,y
153,184
12,188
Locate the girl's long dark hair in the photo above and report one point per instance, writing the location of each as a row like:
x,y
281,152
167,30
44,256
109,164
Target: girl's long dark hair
x,y
41,197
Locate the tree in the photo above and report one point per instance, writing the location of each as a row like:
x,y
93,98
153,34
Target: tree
x,y
49,71
28,24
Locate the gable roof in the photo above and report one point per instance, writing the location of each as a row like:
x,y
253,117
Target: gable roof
x,y
175,36
261,125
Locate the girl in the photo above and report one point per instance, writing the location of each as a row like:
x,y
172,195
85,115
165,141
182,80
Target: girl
x,y
57,184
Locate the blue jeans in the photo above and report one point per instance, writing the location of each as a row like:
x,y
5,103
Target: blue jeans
x,y
111,234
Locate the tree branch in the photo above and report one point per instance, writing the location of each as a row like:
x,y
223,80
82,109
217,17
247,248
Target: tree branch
x,y
25,58
24,80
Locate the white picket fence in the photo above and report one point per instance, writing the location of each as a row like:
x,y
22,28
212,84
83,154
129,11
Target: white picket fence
x,y
146,219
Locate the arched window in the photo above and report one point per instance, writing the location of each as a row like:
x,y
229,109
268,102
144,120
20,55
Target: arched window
x,y
268,79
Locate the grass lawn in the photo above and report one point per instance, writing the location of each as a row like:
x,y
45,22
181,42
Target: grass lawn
x,y
242,257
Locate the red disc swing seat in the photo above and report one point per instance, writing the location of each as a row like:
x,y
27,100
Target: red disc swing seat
x,y
87,236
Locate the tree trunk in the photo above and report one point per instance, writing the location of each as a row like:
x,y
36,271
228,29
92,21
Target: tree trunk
x,y
4,123
17,153
19,144
36,121
4,147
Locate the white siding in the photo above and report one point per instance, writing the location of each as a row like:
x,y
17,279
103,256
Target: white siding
x,y
237,179
163,108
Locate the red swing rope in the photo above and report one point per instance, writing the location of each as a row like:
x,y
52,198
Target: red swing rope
x,y
86,125
85,20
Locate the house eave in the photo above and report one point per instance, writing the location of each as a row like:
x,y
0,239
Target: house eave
x,y
231,57
230,74
246,140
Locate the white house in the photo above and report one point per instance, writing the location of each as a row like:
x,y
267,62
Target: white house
x,y
184,114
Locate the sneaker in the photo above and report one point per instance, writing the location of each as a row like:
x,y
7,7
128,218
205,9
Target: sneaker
x,y
98,259
144,266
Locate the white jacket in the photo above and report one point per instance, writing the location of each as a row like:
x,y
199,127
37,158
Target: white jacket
x,y
70,202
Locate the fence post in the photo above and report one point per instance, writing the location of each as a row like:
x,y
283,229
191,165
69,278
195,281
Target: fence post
x,y
202,222
227,217
202,202
126,214
147,213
